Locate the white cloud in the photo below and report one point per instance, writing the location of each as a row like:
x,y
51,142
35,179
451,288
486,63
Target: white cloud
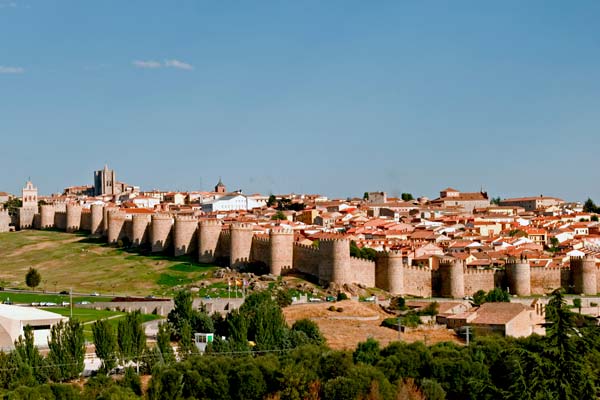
x,y
178,64
147,64
11,70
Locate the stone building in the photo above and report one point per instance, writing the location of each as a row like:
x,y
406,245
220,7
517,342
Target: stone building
x,y
105,181
468,201
532,203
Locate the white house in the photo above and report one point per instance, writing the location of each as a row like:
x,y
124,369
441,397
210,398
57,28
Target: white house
x,y
231,203
14,318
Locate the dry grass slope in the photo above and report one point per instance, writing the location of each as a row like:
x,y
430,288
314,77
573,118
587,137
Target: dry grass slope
x,y
359,321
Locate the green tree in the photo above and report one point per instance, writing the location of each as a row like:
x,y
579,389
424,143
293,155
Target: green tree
x,y
569,376
271,201
431,309
554,245
497,295
589,206
28,354
186,343
183,312
366,196
433,390
67,350
496,200
310,329
479,297
105,342
407,197
132,381
279,216
367,352
131,339
163,343
284,298
33,278
202,322
13,205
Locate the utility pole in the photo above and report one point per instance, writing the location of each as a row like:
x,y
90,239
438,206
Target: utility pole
x,y
71,301
399,329
468,333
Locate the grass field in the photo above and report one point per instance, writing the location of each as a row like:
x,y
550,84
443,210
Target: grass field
x,y
88,316
28,298
74,261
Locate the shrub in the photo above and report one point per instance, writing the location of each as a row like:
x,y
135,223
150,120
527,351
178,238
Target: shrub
x,y
398,303
410,320
340,309
331,308
342,296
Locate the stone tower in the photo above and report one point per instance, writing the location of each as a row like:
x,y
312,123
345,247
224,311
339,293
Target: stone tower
x,y
96,219
452,273
335,259
220,187
208,240
584,275
116,225
184,235
281,251
241,244
105,181
390,272
140,226
160,232
73,217
47,216
519,277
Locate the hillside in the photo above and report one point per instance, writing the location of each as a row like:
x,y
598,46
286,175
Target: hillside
x,y
74,261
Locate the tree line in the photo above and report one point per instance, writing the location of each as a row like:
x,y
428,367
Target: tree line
x,y
262,357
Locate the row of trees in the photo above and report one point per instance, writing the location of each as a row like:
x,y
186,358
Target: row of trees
x,y
366,252
284,204
564,364
26,366
257,326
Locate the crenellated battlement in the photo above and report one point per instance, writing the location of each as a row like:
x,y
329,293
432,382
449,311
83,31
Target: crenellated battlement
x,y
210,222
309,247
362,260
417,268
334,240
162,217
475,271
241,226
186,218
141,217
259,239
281,232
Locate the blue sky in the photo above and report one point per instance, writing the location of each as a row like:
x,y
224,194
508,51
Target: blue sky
x,y
335,97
